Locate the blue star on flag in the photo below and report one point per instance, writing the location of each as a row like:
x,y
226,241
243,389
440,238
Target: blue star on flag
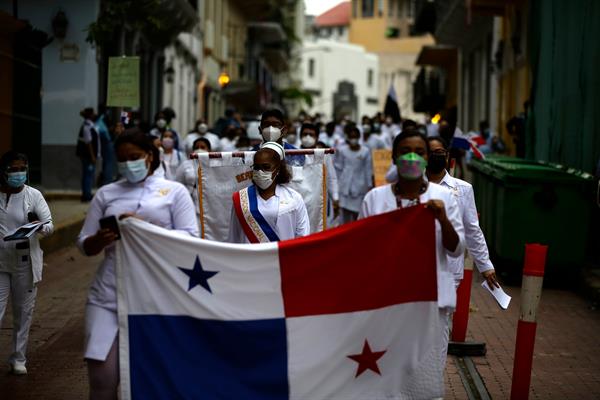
x,y
198,276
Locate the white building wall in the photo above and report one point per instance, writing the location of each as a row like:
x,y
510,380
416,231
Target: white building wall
x,y
335,62
399,69
67,86
335,33
181,94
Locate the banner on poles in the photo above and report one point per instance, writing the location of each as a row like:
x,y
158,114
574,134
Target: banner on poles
x,y
219,178
123,82
382,159
309,318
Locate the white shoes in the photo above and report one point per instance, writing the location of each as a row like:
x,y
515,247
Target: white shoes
x,y
18,368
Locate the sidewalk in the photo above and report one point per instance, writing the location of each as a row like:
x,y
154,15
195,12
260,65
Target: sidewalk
x,y
566,360
68,214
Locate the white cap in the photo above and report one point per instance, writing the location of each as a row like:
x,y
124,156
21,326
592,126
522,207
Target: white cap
x,y
276,147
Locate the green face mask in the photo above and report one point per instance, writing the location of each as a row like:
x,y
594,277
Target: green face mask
x,y
411,166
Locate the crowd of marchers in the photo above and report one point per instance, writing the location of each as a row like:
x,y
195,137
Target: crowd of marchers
x,y
146,173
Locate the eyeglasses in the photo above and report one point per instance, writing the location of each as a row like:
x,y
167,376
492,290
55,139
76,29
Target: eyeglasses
x,y
16,169
439,152
263,167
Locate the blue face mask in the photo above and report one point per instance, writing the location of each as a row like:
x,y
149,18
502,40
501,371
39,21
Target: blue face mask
x,y
134,171
16,179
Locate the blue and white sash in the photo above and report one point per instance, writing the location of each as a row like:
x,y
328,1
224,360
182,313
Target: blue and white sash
x,y
254,224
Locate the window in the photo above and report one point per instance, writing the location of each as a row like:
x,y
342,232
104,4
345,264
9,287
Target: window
x,y
370,77
379,8
340,31
410,13
311,67
354,8
391,7
368,8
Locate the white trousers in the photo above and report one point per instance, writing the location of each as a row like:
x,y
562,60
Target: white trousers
x,y
19,286
444,325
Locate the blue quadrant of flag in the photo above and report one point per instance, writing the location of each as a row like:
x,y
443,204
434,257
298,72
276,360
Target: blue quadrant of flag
x,y
185,357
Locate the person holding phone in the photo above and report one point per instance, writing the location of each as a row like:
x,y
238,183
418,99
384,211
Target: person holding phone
x,y
21,261
142,195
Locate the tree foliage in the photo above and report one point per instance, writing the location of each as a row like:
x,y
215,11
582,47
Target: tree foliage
x,y
158,21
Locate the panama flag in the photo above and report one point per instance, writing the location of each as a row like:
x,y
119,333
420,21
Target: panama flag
x,y
466,142
349,313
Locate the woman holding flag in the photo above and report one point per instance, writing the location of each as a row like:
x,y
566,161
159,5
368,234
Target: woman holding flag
x,y
268,210
142,195
410,153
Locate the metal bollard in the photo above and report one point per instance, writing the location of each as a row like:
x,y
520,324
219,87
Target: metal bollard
x,y
531,292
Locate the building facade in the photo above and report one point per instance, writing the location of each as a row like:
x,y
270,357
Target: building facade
x,y
338,91
385,27
333,24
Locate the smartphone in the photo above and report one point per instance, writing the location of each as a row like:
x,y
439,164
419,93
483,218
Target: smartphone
x,y
111,223
32,216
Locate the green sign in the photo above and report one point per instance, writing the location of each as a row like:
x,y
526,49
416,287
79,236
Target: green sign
x,y
123,82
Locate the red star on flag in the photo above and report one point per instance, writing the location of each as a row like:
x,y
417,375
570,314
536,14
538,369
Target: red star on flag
x,y
367,360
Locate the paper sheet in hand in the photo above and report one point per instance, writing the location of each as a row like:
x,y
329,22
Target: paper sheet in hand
x,y
24,231
500,295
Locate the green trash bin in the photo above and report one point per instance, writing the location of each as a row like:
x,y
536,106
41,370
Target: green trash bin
x,y
484,187
533,202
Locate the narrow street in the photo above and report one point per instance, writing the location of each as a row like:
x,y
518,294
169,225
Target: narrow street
x,y
55,364
566,362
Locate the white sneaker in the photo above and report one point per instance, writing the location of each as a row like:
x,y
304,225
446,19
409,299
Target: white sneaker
x,y
18,368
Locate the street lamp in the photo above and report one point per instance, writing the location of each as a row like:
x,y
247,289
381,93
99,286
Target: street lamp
x,y
223,79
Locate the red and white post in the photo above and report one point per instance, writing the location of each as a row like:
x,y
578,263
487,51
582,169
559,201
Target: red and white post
x,y
531,292
458,346
460,319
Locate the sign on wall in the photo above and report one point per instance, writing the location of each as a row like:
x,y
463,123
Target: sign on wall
x,y
123,82
382,159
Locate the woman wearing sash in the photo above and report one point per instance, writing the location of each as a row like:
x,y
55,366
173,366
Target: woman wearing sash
x,y
268,210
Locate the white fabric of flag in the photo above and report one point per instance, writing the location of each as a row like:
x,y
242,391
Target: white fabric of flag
x,y
203,319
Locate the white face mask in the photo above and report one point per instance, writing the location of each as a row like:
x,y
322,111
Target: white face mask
x,y
353,141
271,134
262,179
161,123
168,143
202,128
134,171
198,151
308,141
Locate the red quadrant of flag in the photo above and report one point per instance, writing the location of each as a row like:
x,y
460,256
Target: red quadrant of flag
x,y
383,260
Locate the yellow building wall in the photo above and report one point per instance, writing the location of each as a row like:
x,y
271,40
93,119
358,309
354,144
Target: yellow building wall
x,y
236,32
513,86
370,33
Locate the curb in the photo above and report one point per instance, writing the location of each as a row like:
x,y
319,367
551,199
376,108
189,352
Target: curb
x,y
64,235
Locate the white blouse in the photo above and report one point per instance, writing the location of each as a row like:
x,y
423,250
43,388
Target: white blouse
x,y
155,200
187,175
285,212
170,162
13,214
382,199
474,239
